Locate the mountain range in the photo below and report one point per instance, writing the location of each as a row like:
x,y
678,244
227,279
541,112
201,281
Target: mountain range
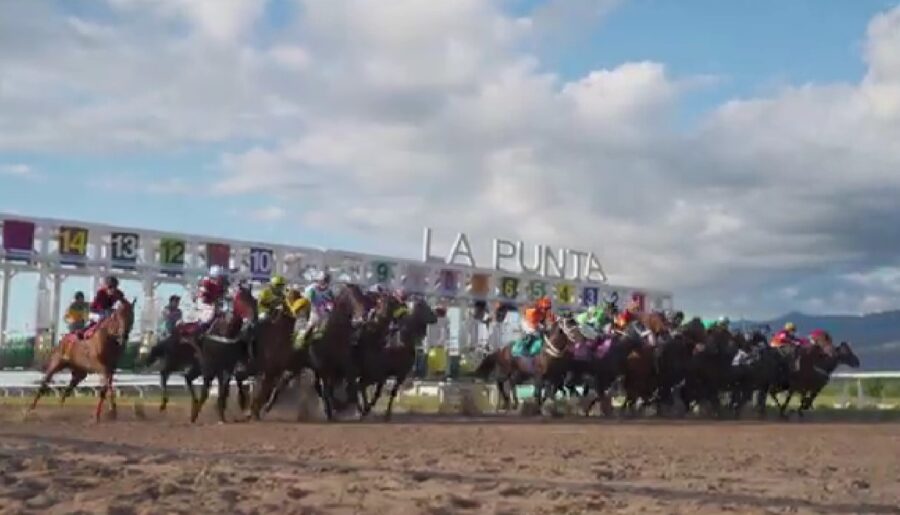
x,y
875,337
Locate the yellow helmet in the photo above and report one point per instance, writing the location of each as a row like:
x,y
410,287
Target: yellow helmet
x,y
790,326
278,281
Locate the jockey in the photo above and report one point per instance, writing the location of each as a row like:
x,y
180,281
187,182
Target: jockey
x,y
787,336
296,302
171,316
591,322
212,290
78,313
534,324
105,300
272,296
628,323
320,299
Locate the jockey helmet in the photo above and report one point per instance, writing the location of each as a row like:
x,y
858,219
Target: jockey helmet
x,y
723,320
79,295
323,277
376,288
544,303
790,327
216,271
111,282
278,281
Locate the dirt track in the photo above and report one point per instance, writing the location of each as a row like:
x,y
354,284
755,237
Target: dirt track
x,y
60,462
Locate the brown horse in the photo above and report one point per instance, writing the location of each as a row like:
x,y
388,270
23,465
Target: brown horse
x,y
816,364
396,360
274,347
547,369
640,380
222,349
99,353
331,354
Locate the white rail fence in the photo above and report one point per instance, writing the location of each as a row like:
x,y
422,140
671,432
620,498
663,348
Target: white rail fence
x,y
25,383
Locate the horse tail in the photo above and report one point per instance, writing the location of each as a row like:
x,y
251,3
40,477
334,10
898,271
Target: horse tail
x,y
488,364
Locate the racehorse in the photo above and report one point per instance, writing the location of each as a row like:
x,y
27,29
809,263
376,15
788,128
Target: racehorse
x,y
641,380
331,351
371,343
175,355
604,365
222,348
98,353
273,344
396,360
548,368
816,364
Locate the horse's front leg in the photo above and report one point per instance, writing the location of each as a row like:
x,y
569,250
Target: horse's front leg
x,y
164,387
283,382
782,408
113,410
224,381
204,394
77,377
394,389
377,395
56,364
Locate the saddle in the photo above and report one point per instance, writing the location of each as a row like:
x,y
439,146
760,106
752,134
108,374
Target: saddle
x,y
527,363
82,334
592,349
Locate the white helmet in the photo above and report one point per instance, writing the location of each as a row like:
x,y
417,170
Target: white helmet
x,y
216,271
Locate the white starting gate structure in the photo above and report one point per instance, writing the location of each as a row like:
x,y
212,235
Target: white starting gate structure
x,y
58,249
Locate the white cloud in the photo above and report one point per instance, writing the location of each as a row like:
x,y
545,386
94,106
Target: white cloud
x,y
16,170
268,214
380,117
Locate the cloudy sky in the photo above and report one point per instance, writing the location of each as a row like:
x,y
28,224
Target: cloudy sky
x,y
743,154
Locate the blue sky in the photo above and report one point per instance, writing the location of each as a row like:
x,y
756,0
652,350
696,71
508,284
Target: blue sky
x,y
173,115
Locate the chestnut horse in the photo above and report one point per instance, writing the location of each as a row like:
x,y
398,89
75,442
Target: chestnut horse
x,y
641,381
273,351
547,369
99,353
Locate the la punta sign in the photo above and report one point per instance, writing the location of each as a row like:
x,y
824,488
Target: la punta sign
x,y
514,257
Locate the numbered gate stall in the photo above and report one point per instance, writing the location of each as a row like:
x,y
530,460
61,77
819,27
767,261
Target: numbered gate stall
x,y
56,250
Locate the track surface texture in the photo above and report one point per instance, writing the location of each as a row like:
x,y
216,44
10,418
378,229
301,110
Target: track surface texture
x,y
58,461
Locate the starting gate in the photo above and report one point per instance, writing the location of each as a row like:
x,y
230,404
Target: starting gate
x,y
56,250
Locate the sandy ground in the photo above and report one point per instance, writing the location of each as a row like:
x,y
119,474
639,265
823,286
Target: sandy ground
x,y
59,461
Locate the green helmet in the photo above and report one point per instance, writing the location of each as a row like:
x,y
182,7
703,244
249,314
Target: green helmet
x,y
278,281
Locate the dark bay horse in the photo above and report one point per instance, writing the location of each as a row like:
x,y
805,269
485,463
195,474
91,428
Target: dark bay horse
x,y
331,353
816,364
224,347
396,359
605,370
98,353
174,355
547,369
